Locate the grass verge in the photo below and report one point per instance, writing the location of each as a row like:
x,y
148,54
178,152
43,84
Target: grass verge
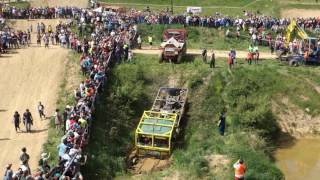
x,y
21,4
71,80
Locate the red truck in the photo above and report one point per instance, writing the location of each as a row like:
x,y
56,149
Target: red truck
x,y
174,45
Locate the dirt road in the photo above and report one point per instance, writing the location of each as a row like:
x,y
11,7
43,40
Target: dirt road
x,y
218,53
28,76
302,13
62,3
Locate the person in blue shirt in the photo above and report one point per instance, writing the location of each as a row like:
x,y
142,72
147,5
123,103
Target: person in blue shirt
x,y
62,147
222,123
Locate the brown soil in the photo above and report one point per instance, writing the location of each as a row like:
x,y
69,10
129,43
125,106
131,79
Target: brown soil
x,y
62,3
174,176
28,75
294,121
218,53
149,164
218,162
305,13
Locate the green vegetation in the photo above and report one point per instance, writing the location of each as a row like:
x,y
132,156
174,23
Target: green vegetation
x,y
21,4
209,7
199,37
225,7
238,3
247,93
65,97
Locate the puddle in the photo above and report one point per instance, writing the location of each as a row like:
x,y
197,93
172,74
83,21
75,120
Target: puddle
x,y
300,161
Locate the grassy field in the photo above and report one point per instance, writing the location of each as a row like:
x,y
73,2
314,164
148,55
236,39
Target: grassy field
x,y
245,93
237,3
23,4
209,7
225,7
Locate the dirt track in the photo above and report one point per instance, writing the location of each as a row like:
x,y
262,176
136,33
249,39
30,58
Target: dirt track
x,y
27,76
218,53
304,13
62,3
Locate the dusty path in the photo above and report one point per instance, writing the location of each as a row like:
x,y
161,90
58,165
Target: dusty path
x,y
53,3
30,75
218,53
302,13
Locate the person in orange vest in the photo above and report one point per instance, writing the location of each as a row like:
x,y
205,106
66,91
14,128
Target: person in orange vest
x,y
249,58
306,56
240,169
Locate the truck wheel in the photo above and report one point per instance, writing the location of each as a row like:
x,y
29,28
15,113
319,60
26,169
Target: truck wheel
x,y
179,59
160,58
293,63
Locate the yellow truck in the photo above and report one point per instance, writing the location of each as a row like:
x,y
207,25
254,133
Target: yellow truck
x,y
158,128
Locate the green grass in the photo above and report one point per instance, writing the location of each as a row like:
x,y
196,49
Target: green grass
x,y
65,97
246,93
225,7
237,3
198,37
209,7
22,4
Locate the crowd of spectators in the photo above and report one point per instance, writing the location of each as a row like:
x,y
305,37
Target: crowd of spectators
x,y
13,39
113,35
98,51
244,21
261,29
11,12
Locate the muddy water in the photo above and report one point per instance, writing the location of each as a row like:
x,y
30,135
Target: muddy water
x,y
301,160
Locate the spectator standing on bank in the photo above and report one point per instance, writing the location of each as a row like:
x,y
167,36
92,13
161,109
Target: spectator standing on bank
x,y
57,119
222,123
213,60
240,169
204,55
150,39
139,41
24,158
8,173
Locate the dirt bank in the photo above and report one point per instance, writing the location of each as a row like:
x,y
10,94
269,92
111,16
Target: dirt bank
x,y
27,76
305,13
62,3
218,53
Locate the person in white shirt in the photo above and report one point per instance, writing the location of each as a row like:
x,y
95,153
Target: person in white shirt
x,y
41,111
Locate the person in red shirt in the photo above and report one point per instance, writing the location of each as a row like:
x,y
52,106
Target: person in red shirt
x,y
230,62
249,58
